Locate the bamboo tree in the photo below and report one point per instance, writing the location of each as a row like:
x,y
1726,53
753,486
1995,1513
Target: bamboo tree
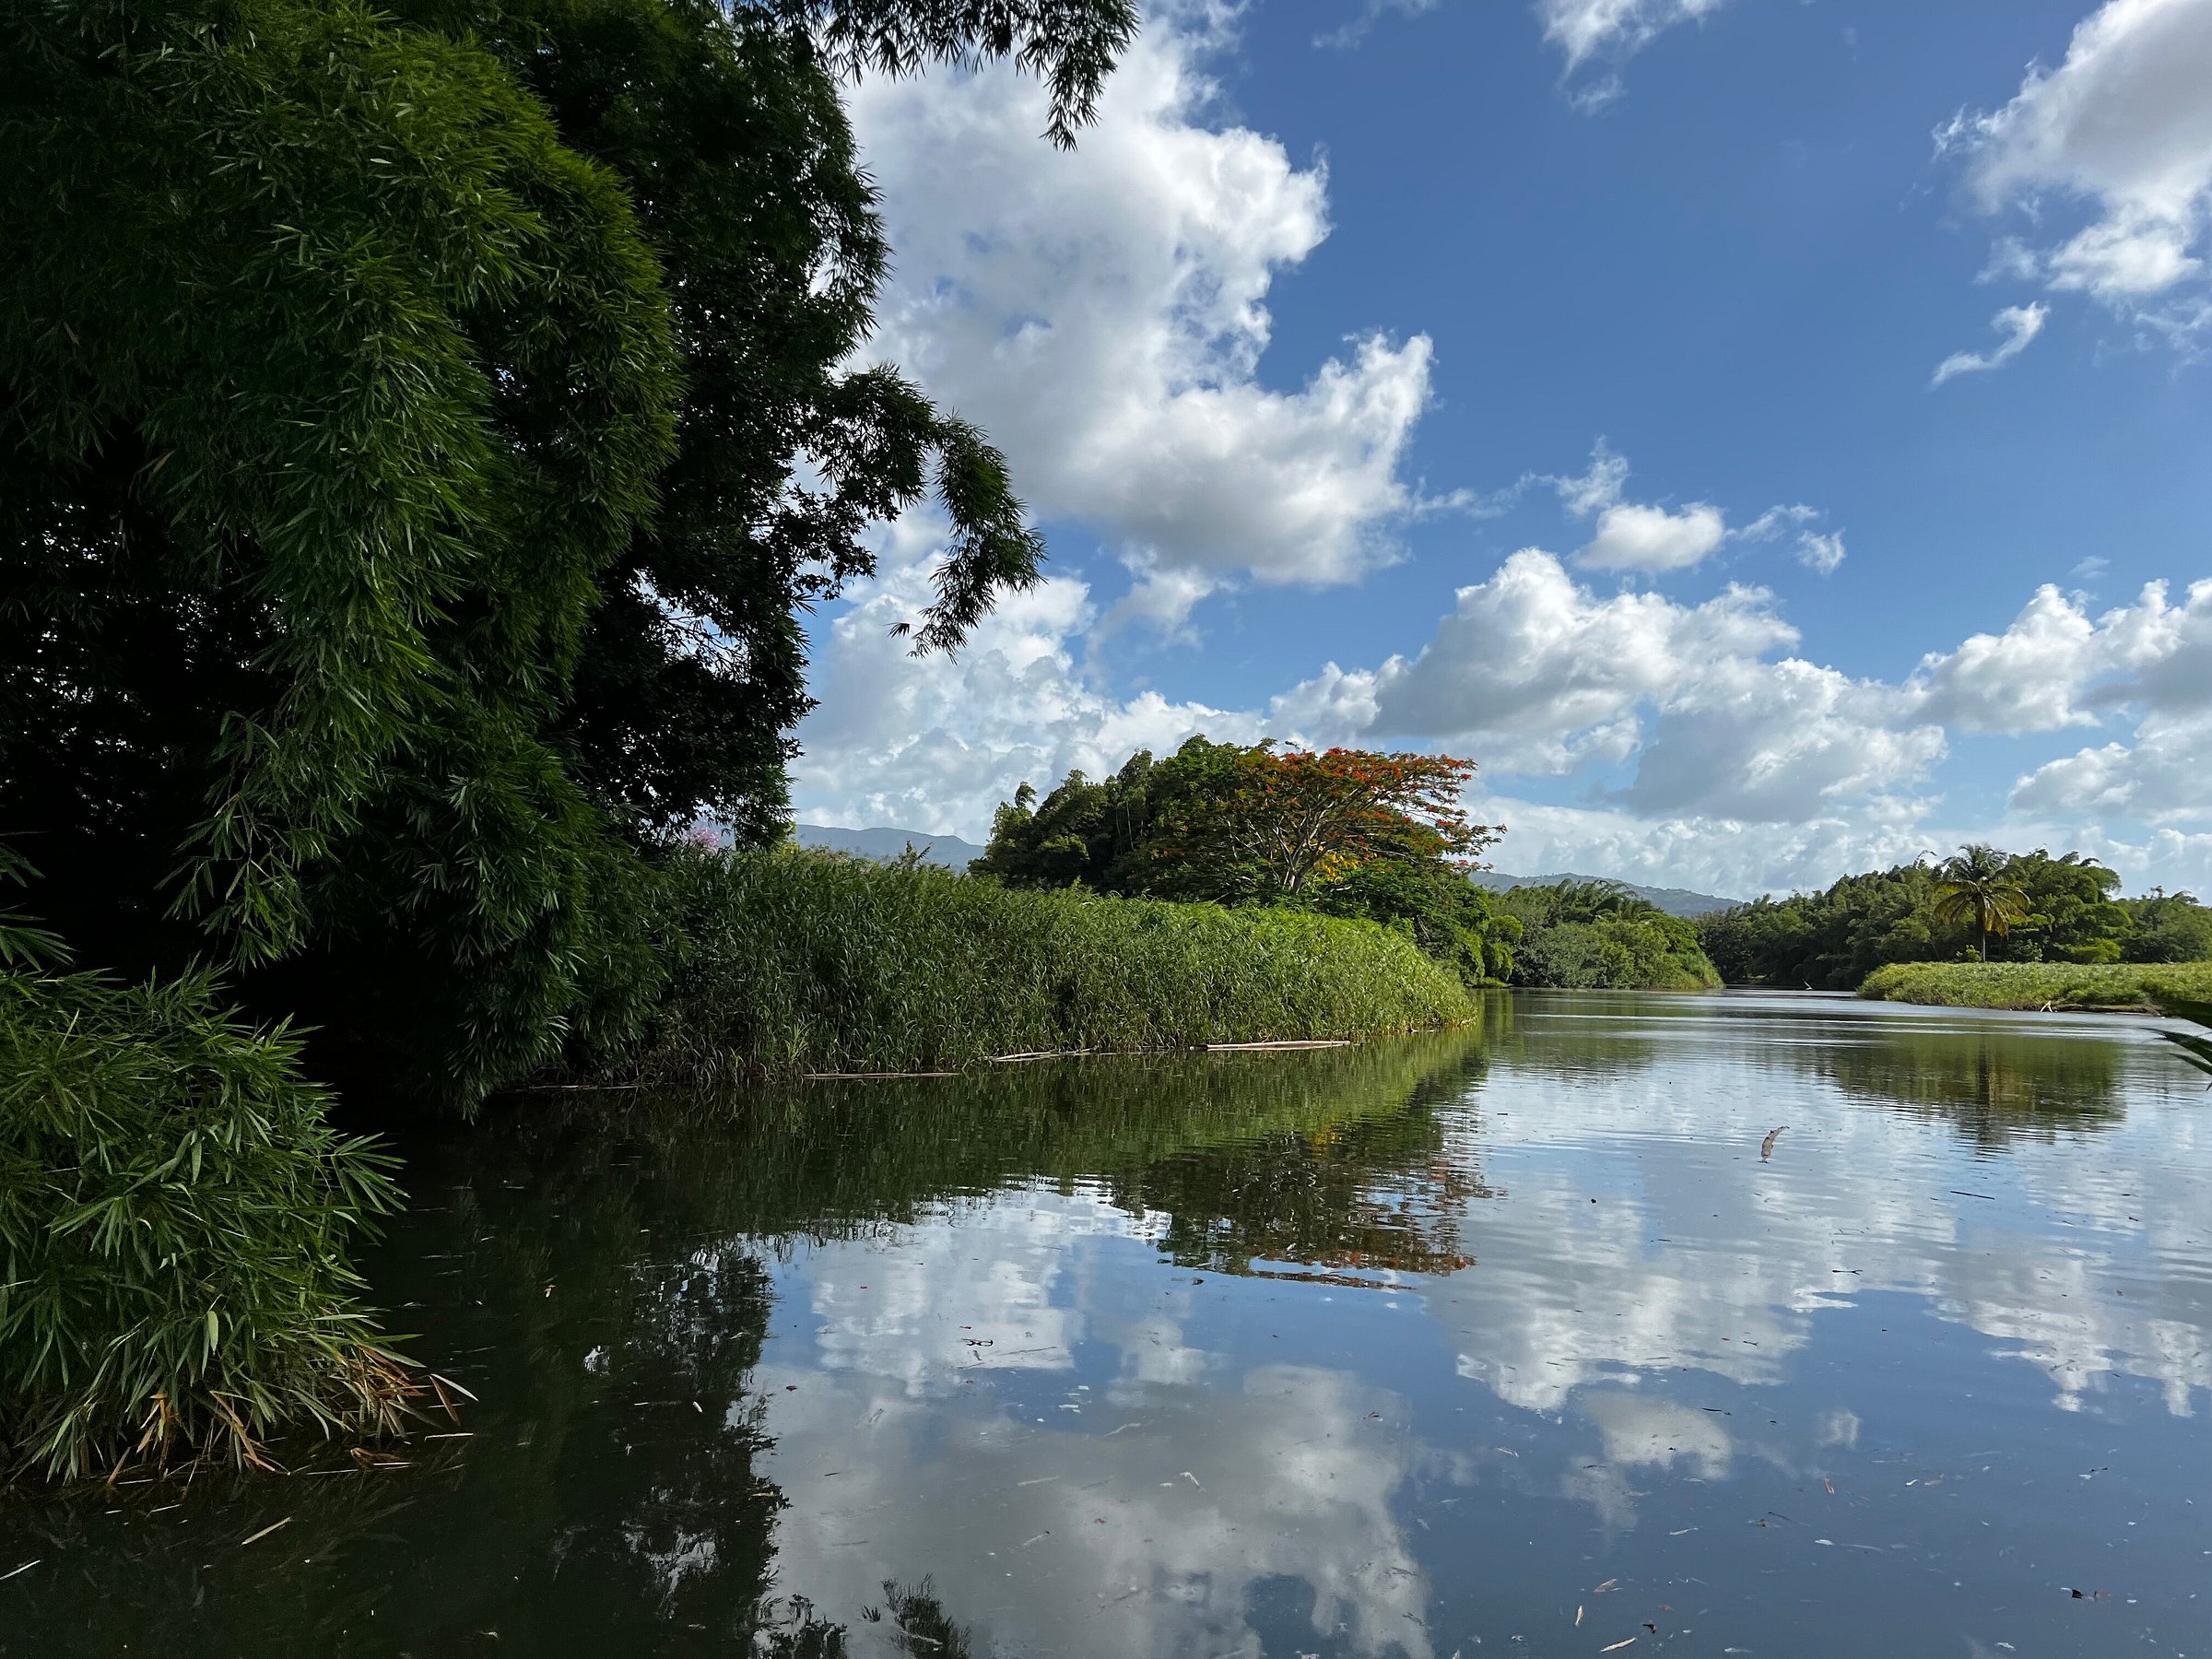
x,y
403,416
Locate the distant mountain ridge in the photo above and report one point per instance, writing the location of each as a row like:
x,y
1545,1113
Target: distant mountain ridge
x,y
1675,902
955,853
947,849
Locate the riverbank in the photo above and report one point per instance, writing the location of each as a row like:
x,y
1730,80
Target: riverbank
x,y
2114,988
801,963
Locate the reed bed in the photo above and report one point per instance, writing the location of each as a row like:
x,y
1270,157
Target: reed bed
x,y
2116,987
801,963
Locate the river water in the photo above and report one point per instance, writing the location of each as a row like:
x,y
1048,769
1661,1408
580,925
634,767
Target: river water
x,y
1537,1338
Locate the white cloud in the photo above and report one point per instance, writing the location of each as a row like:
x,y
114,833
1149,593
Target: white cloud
x,y
1612,32
1735,859
2123,127
2028,679
2018,323
934,744
1537,673
1634,537
1821,553
1103,314
1724,760
1345,38
1782,742
1532,673
1639,537
2057,666
2159,778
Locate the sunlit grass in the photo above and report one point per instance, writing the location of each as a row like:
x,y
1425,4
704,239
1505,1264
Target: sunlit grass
x,y
2037,985
803,962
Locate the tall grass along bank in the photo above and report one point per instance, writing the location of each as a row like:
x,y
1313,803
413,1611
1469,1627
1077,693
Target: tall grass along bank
x,y
175,1213
800,962
2110,987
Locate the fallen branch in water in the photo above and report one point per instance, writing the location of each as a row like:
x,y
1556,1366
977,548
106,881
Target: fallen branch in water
x,y
854,1076
1305,1043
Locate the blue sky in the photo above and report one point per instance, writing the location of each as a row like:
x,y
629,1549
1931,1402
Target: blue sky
x,y
1562,384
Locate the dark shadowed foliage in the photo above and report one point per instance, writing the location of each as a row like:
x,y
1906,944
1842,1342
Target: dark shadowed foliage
x,y
1589,936
175,1215
403,420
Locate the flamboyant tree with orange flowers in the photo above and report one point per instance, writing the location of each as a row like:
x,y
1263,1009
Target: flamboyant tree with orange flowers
x,y
1348,832
1276,822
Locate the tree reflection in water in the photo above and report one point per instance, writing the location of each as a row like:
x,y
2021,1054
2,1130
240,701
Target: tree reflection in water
x,y
601,1279
741,1363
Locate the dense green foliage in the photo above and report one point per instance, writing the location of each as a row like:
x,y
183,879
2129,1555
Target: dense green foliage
x,y
2166,927
421,427
1594,936
1979,889
2038,985
1198,825
806,962
403,416
174,1218
1345,833
2054,909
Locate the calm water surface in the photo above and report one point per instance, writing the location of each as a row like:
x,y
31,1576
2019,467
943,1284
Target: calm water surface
x,y
1519,1341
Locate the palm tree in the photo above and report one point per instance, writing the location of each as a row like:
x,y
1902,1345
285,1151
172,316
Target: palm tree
x,y
1976,889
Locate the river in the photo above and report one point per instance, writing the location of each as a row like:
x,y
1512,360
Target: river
x,y
1740,1324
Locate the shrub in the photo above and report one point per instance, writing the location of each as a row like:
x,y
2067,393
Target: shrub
x,y
175,1213
2037,985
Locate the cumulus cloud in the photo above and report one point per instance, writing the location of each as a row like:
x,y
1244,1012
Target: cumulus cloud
x,y
2018,323
2056,666
1536,674
1536,670
2159,777
2153,658
1719,756
2028,679
934,744
2122,128
1640,536
1727,856
1784,741
1104,316
1630,536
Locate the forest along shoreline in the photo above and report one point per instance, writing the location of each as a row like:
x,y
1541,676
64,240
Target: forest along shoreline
x,y
1984,929
1228,895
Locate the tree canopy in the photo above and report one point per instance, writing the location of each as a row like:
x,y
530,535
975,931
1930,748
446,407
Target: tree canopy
x,y
2062,909
420,429
1978,889
1588,936
1345,833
